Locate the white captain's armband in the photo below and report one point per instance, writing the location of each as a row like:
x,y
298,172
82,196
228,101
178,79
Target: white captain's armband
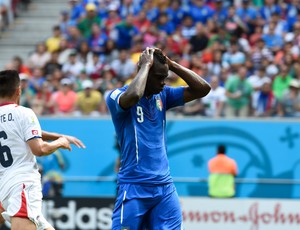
x,y
115,94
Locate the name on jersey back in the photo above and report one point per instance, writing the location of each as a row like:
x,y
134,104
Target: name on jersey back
x,y
6,117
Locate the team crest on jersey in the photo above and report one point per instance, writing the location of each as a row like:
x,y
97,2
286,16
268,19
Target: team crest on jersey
x,y
159,104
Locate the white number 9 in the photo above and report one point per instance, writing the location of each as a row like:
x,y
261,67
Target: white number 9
x,y
139,112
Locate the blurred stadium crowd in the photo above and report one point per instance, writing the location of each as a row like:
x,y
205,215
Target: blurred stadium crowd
x,y
247,50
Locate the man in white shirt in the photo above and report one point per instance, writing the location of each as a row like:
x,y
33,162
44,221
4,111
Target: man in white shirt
x,y
214,100
21,139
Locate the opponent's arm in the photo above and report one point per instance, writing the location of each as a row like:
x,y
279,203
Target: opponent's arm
x,y
1,217
136,88
44,148
49,136
197,86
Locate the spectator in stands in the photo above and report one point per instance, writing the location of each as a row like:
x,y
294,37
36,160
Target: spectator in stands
x,y
273,41
91,17
269,7
265,103
260,52
258,79
97,40
200,11
233,58
54,79
281,27
199,41
64,21
125,33
72,67
221,37
84,53
88,100
41,102
94,66
152,10
234,24
73,36
129,7
292,11
188,28
39,57
112,19
289,53
123,66
296,34
222,171
52,64
18,65
192,108
215,100
238,93
177,44
64,100
164,24
76,10
151,36
111,52
37,79
289,104
281,82
248,14
255,36
53,42
175,12
27,93
215,66
220,12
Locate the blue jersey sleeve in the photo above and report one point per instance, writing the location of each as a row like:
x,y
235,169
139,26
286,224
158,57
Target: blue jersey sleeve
x,y
174,96
112,101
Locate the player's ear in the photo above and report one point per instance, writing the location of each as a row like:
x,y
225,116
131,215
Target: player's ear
x,y
18,93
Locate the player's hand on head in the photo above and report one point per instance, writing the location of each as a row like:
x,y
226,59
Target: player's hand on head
x,y
146,56
169,62
75,141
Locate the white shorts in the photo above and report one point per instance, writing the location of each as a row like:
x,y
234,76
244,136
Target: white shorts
x,y
25,201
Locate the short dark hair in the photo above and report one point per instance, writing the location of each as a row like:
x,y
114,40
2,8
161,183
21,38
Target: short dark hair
x,y
9,82
222,149
159,57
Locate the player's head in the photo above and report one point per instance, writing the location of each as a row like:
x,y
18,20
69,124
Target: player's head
x,y
157,74
10,85
221,149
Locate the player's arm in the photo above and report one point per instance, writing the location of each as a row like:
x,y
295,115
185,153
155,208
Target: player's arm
x,y
197,86
44,148
49,136
1,217
136,89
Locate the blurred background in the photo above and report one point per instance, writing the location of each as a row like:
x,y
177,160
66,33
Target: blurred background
x,y
71,53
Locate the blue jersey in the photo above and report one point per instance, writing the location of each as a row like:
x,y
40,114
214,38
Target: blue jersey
x,y
141,135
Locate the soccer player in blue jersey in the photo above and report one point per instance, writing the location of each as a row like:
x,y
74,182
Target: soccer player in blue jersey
x,y
147,197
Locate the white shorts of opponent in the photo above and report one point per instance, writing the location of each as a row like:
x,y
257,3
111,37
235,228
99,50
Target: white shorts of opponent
x,y
25,201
